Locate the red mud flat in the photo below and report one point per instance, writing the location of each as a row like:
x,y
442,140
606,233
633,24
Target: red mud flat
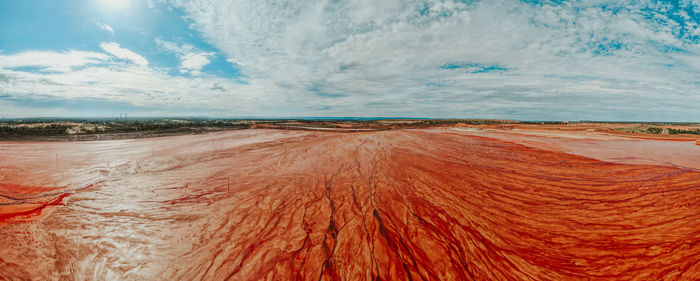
x,y
428,204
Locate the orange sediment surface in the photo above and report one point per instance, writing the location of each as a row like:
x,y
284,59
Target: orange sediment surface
x,y
9,188
20,203
23,212
428,204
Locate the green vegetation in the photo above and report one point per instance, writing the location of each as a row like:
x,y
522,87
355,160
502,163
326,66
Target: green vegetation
x,y
51,129
659,131
98,129
37,128
679,132
654,130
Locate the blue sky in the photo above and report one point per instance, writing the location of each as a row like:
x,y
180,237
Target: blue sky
x,y
526,60
84,25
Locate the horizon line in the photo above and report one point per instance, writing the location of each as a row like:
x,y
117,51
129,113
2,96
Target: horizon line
x,y
332,118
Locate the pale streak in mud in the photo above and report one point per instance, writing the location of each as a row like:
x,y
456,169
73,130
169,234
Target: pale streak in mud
x,y
433,204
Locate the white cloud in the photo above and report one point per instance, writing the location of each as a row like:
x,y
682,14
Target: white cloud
x,y
95,76
52,61
123,53
617,60
106,27
192,60
570,60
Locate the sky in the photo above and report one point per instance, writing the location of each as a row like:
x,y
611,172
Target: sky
x,y
523,60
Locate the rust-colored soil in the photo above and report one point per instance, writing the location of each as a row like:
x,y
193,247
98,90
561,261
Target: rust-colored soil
x,y
427,204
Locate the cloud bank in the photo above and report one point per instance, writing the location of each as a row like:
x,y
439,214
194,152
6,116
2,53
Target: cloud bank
x,y
516,59
39,83
533,60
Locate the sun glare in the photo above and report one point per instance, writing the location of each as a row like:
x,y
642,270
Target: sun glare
x,y
115,4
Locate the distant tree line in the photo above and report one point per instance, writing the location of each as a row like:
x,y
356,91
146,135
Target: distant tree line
x,y
670,131
654,130
680,131
49,130
19,128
